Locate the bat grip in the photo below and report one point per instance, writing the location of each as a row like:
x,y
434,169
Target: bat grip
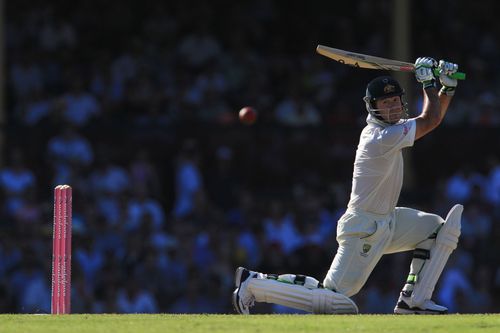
x,y
456,75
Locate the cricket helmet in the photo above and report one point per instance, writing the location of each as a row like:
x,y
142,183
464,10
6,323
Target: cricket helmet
x,y
383,87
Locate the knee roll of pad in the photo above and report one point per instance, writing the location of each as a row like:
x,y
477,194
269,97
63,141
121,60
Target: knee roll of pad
x,y
449,233
449,237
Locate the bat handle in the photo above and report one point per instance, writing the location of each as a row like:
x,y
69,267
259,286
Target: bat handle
x,y
457,75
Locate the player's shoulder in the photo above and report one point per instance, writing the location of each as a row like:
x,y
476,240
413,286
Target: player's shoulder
x,y
398,134
401,127
378,133
370,132
373,129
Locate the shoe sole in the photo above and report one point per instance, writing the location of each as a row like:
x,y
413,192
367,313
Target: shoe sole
x,y
414,311
403,312
237,283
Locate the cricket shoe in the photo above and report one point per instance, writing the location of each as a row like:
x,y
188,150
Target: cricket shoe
x,y
428,307
243,299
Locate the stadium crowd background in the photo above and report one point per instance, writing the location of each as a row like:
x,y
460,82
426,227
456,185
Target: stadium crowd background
x,y
135,105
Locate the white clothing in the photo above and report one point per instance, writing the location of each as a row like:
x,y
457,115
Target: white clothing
x,y
363,238
378,168
313,300
372,225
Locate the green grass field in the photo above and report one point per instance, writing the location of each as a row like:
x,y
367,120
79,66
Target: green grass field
x,y
255,323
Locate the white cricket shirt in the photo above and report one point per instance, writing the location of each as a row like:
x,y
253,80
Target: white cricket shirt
x,y
378,168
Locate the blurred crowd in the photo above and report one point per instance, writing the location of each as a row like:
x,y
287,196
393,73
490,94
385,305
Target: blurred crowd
x,y
135,106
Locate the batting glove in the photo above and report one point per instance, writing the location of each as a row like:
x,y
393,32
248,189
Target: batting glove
x,y
424,71
448,84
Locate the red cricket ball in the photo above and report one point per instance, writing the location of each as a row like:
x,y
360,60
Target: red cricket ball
x,y
248,115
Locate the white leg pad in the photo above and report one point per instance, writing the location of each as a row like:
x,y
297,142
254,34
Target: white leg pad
x,y
327,301
446,242
317,300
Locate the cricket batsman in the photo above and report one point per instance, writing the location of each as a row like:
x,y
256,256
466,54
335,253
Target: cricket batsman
x,y
372,224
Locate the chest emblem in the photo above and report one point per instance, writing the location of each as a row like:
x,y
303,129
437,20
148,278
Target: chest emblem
x,y
365,249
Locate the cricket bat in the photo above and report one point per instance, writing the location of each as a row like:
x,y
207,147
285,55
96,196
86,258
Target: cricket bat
x,y
372,62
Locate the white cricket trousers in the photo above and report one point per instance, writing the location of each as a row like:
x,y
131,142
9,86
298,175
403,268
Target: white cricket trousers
x,y
363,238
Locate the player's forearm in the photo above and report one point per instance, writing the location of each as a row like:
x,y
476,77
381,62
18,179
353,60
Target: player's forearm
x,y
430,117
435,106
444,102
432,111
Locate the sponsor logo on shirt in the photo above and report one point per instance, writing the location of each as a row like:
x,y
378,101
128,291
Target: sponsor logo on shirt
x,y
406,129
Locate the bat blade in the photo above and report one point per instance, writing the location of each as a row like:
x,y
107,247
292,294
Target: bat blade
x,y
363,60
371,62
